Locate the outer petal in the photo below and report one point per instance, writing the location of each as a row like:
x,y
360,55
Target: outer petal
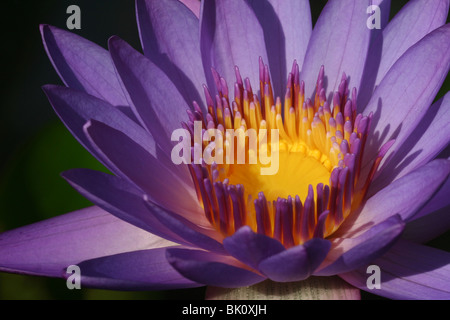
x,y
230,35
75,108
118,197
211,269
404,196
439,200
83,65
250,247
339,42
347,254
139,167
157,103
296,263
433,219
407,91
136,270
195,235
165,26
48,247
409,271
428,227
429,138
287,28
416,19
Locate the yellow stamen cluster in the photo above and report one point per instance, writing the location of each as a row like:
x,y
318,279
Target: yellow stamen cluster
x,y
320,152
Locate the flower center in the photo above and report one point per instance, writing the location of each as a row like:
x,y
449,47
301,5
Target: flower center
x,y
296,171
288,170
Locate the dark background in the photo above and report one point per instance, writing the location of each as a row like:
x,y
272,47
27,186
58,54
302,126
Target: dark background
x,y
36,147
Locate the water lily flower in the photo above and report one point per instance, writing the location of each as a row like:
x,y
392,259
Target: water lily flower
x,y
360,181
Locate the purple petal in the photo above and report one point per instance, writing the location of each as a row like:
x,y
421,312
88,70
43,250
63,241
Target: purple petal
x,y
428,227
137,270
48,247
83,65
165,26
415,20
409,271
75,108
347,254
230,35
118,197
141,168
433,219
157,103
410,85
339,42
317,250
296,263
211,269
404,197
429,138
287,28
200,237
250,247
438,201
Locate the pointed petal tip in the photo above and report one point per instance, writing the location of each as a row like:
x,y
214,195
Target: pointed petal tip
x,y
115,43
42,27
48,88
114,40
45,28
